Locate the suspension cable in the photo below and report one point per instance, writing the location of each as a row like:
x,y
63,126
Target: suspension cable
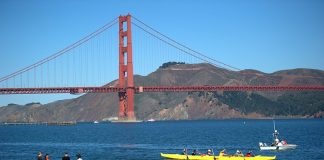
x,y
176,46
174,41
235,68
61,52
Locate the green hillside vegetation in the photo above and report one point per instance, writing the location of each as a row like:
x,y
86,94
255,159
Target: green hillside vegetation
x,y
168,64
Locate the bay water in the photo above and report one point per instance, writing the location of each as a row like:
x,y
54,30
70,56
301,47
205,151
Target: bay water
x,y
146,140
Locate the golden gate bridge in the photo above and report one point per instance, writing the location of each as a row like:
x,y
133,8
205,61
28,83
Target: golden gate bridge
x,y
61,71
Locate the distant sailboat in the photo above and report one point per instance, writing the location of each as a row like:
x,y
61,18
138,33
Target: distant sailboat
x,y
95,122
277,144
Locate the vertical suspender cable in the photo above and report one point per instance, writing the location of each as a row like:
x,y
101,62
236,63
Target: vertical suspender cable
x,y
97,58
21,81
35,77
81,66
41,75
47,75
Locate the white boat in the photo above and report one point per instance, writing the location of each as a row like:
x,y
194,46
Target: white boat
x,y
95,122
151,120
264,146
277,144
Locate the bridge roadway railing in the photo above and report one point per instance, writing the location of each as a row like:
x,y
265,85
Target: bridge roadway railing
x,y
229,88
139,89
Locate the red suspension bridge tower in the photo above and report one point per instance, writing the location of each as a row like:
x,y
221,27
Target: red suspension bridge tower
x,y
126,77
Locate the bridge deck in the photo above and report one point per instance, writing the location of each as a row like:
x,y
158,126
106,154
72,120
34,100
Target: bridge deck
x,y
79,90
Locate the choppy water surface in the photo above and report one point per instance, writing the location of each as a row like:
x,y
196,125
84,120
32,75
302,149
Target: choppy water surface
x,y
146,140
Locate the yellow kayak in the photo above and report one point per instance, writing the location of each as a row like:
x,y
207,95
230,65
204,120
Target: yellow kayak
x,y
185,157
258,157
207,157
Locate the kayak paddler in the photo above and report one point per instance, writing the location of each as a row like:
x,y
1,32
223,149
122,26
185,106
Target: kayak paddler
x,y
222,153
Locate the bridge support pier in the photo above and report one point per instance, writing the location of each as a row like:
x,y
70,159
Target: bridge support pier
x,y
126,77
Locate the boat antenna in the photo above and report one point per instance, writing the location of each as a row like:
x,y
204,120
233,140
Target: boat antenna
x,y
274,125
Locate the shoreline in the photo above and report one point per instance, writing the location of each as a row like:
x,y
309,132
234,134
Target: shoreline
x,y
142,121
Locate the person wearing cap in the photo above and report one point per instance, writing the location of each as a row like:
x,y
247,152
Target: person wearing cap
x,y
239,153
222,153
209,152
185,151
39,156
66,156
78,156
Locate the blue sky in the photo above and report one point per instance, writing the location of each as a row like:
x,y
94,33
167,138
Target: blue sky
x,y
263,35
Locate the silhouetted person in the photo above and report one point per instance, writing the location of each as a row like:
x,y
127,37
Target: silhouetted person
x,y
39,156
249,154
66,156
194,152
184,151
78,156
46,157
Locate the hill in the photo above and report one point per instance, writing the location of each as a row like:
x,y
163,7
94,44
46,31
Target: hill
x,y
191,105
